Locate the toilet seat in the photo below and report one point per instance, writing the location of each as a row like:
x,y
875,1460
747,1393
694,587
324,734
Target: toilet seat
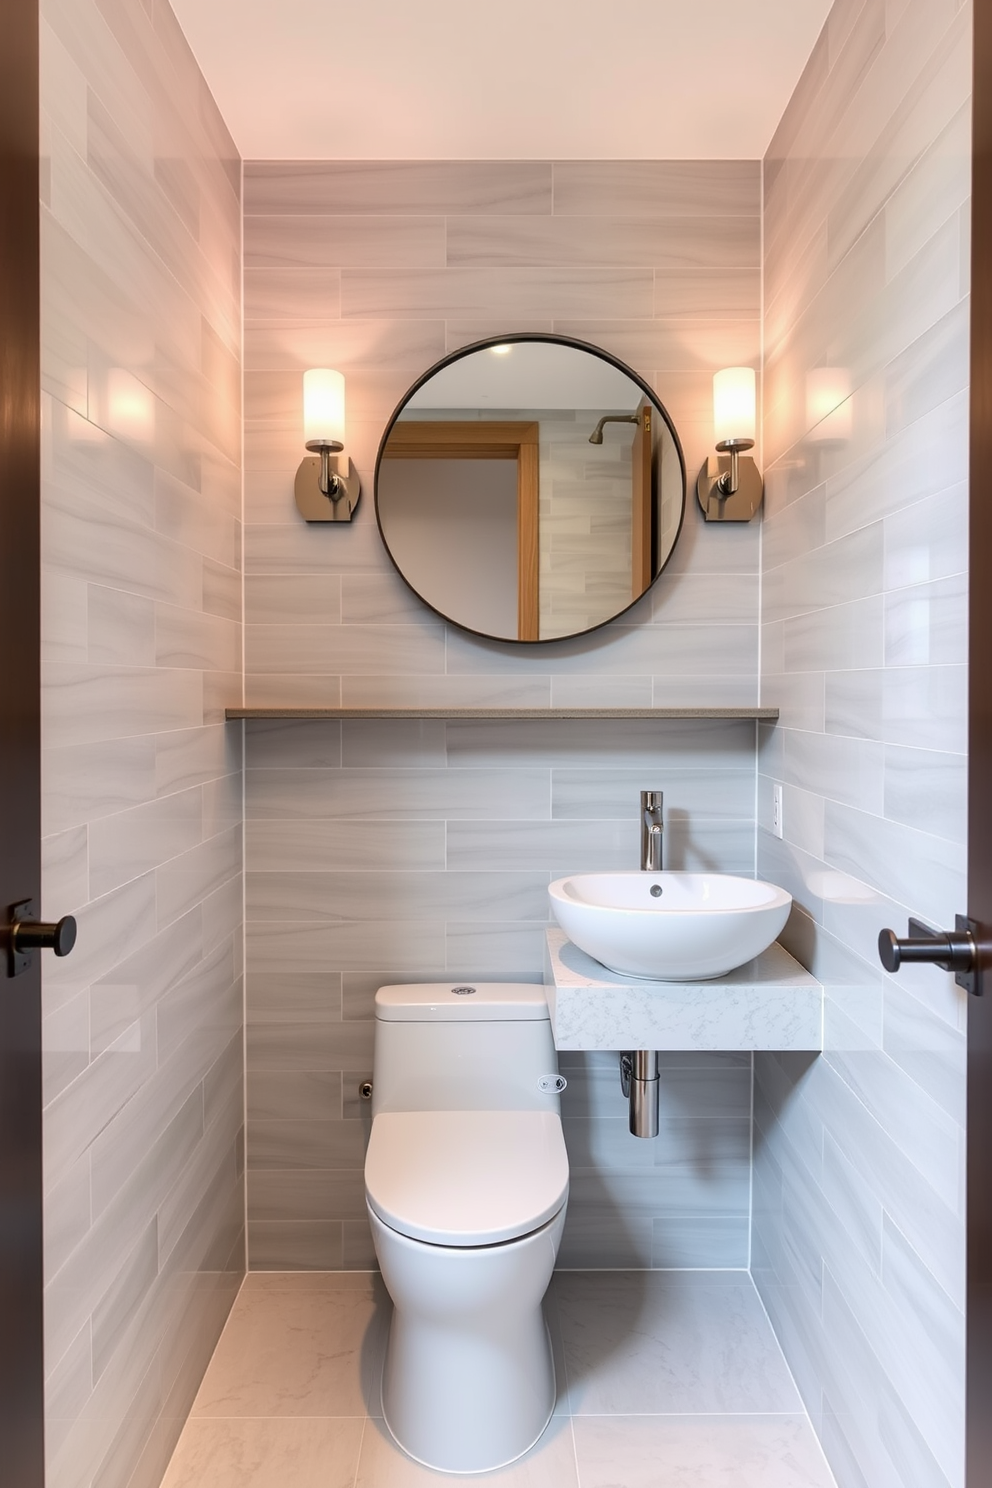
x,y
466,1178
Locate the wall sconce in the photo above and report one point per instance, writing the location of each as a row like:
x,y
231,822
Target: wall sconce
x,y
828,405
323,492
729,488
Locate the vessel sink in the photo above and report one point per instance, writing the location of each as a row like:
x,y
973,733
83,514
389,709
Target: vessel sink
x,y
669,927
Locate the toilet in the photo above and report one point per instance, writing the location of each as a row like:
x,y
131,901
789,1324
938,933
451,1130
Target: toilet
x,y
466,1182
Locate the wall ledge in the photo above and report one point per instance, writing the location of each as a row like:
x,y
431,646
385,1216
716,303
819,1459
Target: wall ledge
x,y
767,715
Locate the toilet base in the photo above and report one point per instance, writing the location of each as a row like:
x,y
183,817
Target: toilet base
x,y
468,1383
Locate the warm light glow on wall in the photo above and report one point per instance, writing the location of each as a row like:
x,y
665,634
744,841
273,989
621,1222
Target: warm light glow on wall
x,y
81,431
734,404
130,407
828,405
323,407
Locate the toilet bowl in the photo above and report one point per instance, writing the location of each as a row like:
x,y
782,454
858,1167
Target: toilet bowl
x,y
466,1183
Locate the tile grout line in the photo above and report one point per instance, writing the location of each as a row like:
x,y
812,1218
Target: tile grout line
x,y
361,1448
244,757
802,1403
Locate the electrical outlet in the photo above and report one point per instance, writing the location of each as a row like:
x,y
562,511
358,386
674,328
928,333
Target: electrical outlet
x,y
777,810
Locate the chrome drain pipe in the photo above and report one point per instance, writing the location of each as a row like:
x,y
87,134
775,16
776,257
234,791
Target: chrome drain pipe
x,y
639,1081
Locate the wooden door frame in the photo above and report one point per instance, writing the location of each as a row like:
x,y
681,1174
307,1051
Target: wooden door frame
x,y
978,1447
22,1385
507,439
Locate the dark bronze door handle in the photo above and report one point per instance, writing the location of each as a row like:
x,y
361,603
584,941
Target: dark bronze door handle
x,y
952,950
26,934
40,935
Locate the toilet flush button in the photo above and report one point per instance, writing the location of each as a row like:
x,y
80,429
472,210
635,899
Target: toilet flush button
x,y
463,991
552,1084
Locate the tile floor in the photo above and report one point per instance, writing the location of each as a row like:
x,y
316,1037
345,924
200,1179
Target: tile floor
x,y
665,1380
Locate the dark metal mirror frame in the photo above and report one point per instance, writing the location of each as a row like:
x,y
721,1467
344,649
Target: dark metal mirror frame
x,y
456,356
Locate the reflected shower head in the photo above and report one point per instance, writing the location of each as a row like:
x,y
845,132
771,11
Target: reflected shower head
x,y
596,437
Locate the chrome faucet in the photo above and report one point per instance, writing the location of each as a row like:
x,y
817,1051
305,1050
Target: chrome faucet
x,y
652,830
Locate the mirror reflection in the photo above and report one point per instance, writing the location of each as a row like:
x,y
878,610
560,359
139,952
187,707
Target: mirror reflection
x,y
530,489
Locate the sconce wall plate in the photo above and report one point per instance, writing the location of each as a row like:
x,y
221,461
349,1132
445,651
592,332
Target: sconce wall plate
x,y
313,505
742,505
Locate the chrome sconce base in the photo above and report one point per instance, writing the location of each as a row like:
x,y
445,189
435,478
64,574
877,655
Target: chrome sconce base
x,y
726,493
325,493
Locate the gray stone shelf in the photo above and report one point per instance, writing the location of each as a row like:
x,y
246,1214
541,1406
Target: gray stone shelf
x,y
771,1003
768,715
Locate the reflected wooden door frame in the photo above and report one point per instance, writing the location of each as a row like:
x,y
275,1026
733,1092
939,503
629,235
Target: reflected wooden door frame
x,y
507,439
642,526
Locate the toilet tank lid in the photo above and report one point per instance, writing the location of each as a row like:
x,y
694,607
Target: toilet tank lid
x,y
451,1002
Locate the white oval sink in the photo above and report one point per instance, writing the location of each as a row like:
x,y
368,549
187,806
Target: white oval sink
x,y
701,925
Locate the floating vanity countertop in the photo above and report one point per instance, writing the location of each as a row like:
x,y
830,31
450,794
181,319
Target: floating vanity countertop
x,y
768,715
771,1003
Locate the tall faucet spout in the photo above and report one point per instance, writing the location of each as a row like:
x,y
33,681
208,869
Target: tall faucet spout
x,y
652,831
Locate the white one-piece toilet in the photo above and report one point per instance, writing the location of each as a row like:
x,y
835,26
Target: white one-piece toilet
x,y
466,1181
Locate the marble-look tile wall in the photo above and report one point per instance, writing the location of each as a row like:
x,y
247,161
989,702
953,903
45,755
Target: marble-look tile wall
x,y
380,269
385,852
142,781
858,1184
399,851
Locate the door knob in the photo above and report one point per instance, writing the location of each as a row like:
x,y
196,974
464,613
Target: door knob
x,y
952,950
26,934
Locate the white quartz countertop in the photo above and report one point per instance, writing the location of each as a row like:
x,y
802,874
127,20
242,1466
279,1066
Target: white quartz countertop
x,y
771,1003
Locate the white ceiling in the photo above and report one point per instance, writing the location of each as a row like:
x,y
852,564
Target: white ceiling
x,y
510,80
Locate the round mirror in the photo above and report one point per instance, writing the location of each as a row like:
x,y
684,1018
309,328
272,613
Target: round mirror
x,y
530,488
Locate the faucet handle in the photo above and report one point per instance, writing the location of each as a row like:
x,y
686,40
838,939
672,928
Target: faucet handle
x,y
652,800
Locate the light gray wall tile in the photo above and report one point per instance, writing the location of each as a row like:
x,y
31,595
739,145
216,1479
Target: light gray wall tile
x,y
134,986
706,293
920,707
857,1235
655,188
307,847
141,554
927,624
361,650
557,846
572,292
307,1246
386,894
278,294
390,187
288,242
292,1143
672,243
277,599
307,1095
292,345
285,742
467,691
657,263
605,792
295,996
927,790
305,1194
413,794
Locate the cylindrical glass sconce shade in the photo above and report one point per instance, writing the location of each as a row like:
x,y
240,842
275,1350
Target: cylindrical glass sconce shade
x,y
734,404
323,406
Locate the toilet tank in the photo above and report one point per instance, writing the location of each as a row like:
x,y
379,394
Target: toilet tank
x,y
449,1046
